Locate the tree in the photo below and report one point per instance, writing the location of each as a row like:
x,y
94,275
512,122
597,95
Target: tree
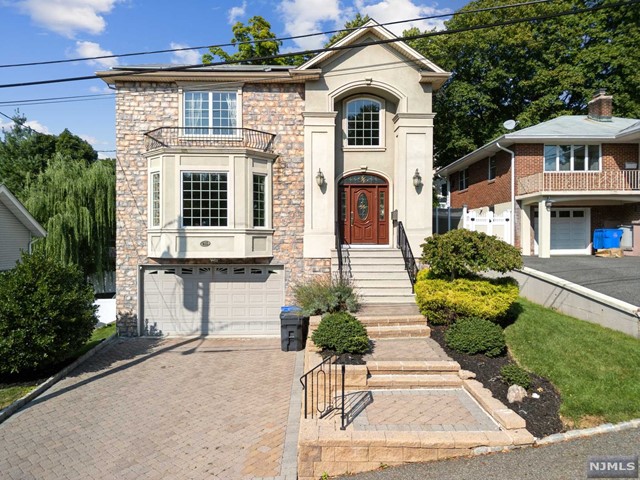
x,y
75,202
253,40
46,313
530,72
356,22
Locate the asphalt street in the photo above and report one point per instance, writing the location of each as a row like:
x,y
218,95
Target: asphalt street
x,y
616,277
560,461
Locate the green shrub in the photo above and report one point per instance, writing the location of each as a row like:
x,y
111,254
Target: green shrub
x,y
443,301
513,374
463,253
46,313
476,335
326,294
341,332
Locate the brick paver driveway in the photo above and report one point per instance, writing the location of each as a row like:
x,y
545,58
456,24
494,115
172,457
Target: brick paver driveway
x,y
165,409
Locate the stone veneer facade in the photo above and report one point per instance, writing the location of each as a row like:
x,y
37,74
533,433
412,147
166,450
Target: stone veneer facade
x,y
144,106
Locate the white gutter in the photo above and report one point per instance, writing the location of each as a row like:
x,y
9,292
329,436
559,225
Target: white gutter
x,y
513,191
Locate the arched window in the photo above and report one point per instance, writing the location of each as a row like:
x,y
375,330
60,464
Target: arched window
x,y
363,122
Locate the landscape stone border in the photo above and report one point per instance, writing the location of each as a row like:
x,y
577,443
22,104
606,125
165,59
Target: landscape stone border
x,y
6,412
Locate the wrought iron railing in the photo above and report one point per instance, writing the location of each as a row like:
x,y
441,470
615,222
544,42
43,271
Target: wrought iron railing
x,y
187,137
323,390
343,269
409,261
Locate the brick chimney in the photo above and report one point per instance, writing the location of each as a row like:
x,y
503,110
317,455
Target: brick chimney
x,y
601,106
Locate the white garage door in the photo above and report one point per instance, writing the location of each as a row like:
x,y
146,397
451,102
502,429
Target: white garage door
x,y
569,231
234,300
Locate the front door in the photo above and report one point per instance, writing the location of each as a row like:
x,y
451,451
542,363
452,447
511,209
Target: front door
x,y
364,210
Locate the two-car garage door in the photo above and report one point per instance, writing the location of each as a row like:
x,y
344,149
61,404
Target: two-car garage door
x,y
233,300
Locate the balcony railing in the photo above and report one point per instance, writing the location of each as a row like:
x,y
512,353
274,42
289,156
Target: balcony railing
x,y
620,180
199,137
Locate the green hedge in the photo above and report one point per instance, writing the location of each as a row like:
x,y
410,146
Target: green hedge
x,y
443,301
342,333
476,335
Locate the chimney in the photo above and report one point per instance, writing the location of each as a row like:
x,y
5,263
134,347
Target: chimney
x,y
601,106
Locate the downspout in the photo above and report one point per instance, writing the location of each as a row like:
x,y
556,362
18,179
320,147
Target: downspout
x,y
513,191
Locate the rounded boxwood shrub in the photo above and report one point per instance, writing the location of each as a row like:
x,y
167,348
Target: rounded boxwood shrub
x,y
443,301
46,313
476,335
513,374
342,333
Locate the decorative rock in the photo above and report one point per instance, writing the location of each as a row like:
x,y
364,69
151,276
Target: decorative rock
x,y
466,374
535,395
516,394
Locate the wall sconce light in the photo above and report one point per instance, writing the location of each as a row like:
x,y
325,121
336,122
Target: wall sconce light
x,y
320,178
548,203
417,179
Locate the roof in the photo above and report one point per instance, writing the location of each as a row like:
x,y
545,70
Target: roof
x,y
21,213
204,68
567,128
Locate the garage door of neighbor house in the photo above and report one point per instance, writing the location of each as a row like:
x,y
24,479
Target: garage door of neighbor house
x,y
233,300
570,229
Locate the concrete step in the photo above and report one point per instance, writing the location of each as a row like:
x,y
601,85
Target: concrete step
x,y
368,252
382,284
382,275
423,367
414,381
391,320
398,331
373,260
381,291
407,309
386,299
363,270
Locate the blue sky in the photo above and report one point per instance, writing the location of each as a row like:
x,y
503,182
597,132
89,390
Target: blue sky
x,y
43,30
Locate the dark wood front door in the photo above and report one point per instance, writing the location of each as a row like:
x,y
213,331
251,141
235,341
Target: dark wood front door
x,y
364,210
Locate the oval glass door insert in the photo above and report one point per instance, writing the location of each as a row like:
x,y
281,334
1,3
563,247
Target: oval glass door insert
x,y
363,206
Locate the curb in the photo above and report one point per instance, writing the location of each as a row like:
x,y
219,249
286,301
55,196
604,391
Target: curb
x,y
21,402
563,437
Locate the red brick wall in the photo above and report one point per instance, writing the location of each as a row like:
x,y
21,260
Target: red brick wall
x,y
529,159
610,216
614,155
481,191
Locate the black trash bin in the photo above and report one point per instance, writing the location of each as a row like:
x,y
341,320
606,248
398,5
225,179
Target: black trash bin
x,y
293,329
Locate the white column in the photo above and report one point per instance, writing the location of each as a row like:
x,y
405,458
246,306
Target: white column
x,y
544,230
414,150
319,202
525,230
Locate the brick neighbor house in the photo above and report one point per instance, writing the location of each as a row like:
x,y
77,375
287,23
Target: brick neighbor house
x,y
562,178
235,182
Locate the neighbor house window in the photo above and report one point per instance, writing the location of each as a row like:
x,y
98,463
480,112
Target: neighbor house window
x,y
463,179
210,113
155,199
492,168
363,118
259,201
204,199
571,158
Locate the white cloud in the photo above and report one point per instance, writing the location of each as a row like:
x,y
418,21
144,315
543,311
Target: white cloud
x,y
68,17
185,57
93,49
236,12
301,17
384,11
104,89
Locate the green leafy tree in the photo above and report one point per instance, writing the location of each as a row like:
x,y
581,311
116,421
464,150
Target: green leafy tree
x,y
75,202
74,147
253,40
46,313
356,22
530,72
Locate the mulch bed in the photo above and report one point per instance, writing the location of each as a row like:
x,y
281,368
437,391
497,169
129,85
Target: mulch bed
x,y
541,414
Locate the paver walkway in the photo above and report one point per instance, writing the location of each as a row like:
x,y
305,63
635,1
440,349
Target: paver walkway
x,y
160,409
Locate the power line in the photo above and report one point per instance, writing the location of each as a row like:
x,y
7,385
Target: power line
x,y
183,68
280,39
31,100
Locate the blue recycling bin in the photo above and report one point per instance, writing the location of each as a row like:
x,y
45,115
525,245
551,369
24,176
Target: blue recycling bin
x,y
607,238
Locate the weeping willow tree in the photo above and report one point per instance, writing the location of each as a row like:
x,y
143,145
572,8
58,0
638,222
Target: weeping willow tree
x,y
75,202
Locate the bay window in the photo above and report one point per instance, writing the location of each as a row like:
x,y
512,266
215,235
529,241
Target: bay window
x,y
204,199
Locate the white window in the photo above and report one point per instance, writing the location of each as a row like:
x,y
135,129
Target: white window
x,y
155,199
259,201
571,158
204,199
364,123
463,179
492,168
211,112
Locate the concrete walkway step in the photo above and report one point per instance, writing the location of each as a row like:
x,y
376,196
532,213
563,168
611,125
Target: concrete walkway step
x,y
381,310
389,320
398,331
414,381
426,367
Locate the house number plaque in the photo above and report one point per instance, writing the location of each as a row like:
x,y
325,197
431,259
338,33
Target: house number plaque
x,y
205,243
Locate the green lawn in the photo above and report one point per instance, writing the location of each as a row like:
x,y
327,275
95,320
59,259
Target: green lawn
x,y
596,370
10,394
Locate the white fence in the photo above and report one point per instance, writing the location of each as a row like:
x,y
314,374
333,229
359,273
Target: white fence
x,y
489,223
